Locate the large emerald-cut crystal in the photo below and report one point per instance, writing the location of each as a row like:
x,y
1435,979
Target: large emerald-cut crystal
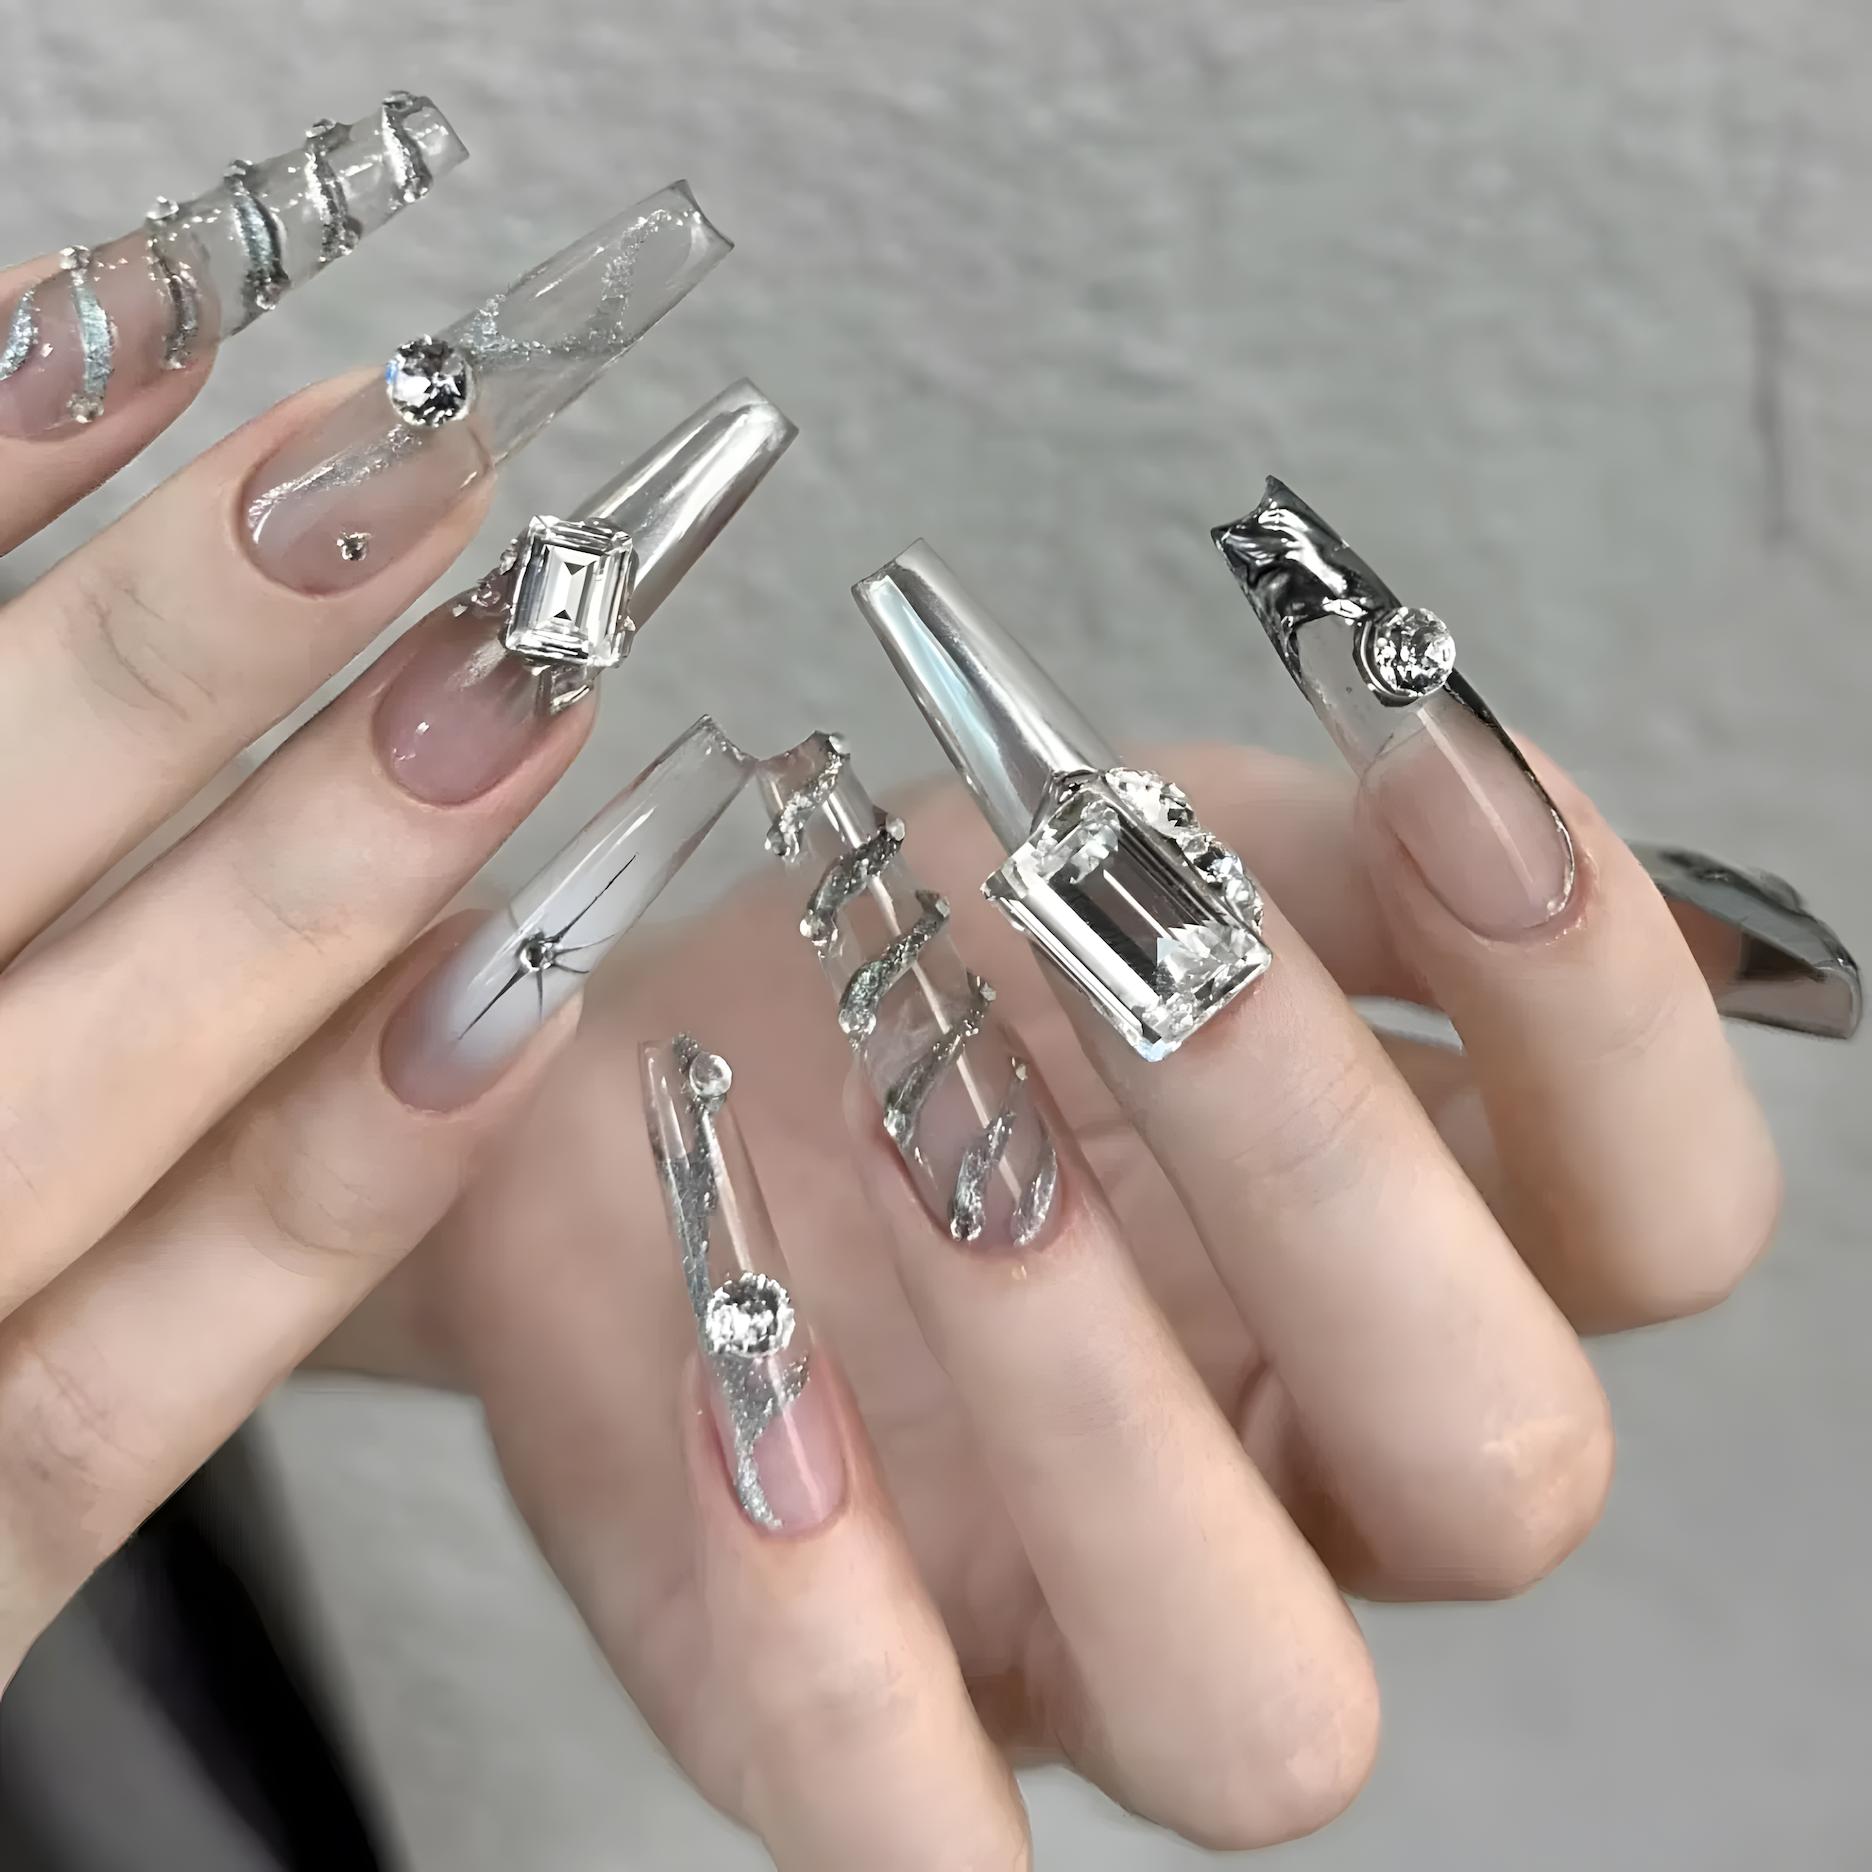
x,y
571,586
1144,911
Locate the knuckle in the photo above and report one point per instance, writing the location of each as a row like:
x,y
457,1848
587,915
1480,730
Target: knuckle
x,y
316,1203
71,1473
1310,1147
1543,1488
1305,1779
125,646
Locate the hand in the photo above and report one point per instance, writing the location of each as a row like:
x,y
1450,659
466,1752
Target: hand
x,y
218,1124
1115,1457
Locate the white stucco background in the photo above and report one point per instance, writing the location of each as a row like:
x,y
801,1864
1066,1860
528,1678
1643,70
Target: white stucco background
x,y
1563,308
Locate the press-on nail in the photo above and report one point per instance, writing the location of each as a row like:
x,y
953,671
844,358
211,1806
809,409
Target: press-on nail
x,y
333,506
779,1436
461,1029
82,342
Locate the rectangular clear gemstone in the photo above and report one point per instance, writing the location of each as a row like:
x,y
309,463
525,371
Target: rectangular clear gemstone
x,y
570,593
1124,913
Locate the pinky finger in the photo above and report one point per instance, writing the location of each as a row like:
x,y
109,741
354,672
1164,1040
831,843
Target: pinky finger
x,y
858,1746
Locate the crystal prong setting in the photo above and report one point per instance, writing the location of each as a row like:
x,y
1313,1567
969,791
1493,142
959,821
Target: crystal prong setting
x,y
1151,917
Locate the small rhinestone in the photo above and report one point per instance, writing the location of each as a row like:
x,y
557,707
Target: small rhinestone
x,y
430,382
353,546
748,1316
710,1078
1406,655
537,954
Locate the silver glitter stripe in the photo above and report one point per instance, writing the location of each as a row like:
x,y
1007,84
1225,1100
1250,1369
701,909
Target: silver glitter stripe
x,y
756,1390
178,288
409,173
858,1005
783,836
1036,1202
338,231
21,334
846,877
265,283
904,1102
94,337
970,1200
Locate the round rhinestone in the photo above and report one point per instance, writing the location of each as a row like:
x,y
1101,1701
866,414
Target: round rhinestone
x,y
1216,862
748,1316
537,954
430,382
710,1078
1407,654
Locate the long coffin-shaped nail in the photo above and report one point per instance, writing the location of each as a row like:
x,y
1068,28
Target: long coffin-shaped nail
x,y
957,1097
1442,771
83,341
1768,958
565,603
462,1027
778,1432
1111,877
333,505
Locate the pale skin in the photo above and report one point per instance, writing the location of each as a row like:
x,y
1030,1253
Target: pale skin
x,y
1305,1324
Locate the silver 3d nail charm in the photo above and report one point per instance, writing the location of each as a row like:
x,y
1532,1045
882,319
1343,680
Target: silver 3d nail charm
x,y
564,587
1110,875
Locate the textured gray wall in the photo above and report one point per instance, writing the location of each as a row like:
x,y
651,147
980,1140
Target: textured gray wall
x,y
1563,307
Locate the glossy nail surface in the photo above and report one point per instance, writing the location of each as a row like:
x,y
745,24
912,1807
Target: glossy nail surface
x,y
461,1028
778,1435
337,503
83,341
463,711
1441,770
1111,876
1768,959
956,1096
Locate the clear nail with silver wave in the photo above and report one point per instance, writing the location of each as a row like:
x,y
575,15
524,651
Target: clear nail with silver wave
x,y
81,342
957,1096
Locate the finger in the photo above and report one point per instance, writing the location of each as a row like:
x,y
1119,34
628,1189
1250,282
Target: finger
x,y
859,1747
100,350
1641,1179
150,655
145,1022
1443,1398
122,1377
1207,1673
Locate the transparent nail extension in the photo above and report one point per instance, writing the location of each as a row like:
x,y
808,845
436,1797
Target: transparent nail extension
x,y
333,505
957,1098
782,1449
82,341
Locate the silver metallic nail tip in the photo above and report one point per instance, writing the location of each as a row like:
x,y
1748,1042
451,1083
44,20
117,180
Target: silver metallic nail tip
x,y
1006,726
1791,971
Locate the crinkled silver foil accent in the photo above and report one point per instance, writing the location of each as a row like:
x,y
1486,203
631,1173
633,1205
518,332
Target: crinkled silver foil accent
x,y
409,173
847,876
783,836
755,1390
339,231
873,980
265,283
969,1203
904,1102
1036,1202
22,333
175,280
94,337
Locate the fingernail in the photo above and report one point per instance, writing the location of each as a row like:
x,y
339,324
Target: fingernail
x,y
779,1434
1440,769
337,503
471,702
1110,875
1768,959
956,1097
82,342
460,1030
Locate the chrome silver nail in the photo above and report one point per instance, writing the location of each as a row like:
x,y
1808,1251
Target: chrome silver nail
x,y
569,596
1111,875
1782,966
955,1094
